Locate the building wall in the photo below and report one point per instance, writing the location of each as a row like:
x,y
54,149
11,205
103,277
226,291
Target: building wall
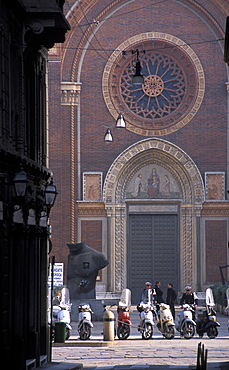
x,y
23,147
92,63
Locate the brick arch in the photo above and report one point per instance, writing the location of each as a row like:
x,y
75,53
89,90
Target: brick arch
x,y
76,14
167,155
187,175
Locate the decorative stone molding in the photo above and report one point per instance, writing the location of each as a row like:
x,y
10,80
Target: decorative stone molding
x,y
167,154
87,209
215,209
144,123
187,245
187,175
70,92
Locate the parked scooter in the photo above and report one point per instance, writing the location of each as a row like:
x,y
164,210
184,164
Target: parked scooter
x,y
186,325
147,310
227,308
207,322
85,322
61,310
165,323
123,310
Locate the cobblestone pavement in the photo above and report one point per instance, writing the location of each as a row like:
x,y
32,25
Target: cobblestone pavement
x,y
137,353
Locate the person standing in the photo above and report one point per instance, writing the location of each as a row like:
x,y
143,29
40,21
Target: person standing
x,y
159,292
170,299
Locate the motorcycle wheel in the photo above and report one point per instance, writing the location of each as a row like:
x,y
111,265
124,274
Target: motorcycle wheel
x,y
123,331
67,333
188,330
170,333
212,332
147,331
85,332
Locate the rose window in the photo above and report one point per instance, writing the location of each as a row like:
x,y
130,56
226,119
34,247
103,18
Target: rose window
x,y
163,89
172,91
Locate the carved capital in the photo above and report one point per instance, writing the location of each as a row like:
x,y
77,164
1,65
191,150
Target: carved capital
x,y
70,92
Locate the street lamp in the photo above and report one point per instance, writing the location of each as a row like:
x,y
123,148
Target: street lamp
x,y
120,122
138,78
50,196
108,138
20,183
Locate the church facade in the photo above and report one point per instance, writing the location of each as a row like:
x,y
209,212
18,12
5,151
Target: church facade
x,y
153,200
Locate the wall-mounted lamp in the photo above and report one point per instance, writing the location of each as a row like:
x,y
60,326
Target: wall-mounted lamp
x,y
20,182
138,78
50,196
31,200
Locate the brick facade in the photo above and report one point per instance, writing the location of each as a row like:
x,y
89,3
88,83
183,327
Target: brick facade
x,y
77,128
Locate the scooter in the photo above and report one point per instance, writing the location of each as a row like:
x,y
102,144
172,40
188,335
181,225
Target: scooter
x,y
85,322
207,320
227,308
61,310
186,325
123,310
147,310
165,321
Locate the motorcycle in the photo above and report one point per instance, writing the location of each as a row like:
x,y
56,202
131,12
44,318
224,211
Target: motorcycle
x,y
85,323
186,325
123,310
146,310
165,321
61,310
207,322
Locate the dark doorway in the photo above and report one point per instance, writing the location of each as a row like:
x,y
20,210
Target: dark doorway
x,y
152,252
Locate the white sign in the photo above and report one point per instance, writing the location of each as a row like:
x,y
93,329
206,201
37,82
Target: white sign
x,y
58,274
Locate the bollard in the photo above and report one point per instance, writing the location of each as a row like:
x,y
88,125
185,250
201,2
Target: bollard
x,y
108,326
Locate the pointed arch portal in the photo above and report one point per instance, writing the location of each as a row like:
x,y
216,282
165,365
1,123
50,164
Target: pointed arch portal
x,y
153,194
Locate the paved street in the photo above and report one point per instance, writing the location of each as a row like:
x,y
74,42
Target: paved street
x,y
137,353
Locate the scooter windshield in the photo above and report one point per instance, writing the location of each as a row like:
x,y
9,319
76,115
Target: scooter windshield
x,y
209,298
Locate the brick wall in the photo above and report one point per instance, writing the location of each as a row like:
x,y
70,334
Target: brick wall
x,y
216,249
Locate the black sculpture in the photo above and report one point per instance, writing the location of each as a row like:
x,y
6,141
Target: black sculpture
x,y
83,266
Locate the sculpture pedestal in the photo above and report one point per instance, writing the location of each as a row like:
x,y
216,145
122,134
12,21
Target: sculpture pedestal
x,y
96,306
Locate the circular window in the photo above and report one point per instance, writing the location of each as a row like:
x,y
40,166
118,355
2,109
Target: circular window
x,y
173,86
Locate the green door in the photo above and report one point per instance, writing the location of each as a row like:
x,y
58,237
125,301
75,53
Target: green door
x,y
152,252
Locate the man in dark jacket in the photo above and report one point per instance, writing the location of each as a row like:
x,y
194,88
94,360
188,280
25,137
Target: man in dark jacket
x,y
189,297
170,299
159,292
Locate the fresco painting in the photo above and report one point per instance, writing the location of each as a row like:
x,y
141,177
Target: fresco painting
x,y
153,182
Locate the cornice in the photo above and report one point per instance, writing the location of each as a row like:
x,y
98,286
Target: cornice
x,y
90,209
215,209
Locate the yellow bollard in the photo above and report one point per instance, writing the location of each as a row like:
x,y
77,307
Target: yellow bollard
x,y
108,326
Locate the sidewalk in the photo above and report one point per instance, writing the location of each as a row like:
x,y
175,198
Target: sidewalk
x,y
136,353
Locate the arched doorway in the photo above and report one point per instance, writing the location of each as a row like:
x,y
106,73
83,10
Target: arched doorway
x,y
153,193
